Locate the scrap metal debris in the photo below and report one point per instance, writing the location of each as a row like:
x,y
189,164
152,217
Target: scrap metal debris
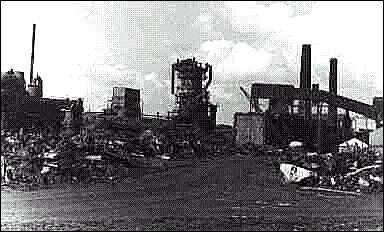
x,y
339,172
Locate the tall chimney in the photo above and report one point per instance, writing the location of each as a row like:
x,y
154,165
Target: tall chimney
x,y
332,108
305,77
333,76
305,71
33,54
332,112
173,78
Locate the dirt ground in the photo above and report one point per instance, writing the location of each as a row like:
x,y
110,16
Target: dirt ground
x,y
236,194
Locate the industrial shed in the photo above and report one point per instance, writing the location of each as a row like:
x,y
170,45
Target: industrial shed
x,y
376,139
250,128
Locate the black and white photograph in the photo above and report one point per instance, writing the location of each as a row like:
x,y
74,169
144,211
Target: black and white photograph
x,y
192,115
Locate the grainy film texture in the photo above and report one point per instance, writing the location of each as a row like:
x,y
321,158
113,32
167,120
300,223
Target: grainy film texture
x,y
192,115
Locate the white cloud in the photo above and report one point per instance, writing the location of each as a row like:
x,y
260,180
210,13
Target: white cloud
x,y
229,58
351,32
86,48
251,16
245,59
215,51
154,78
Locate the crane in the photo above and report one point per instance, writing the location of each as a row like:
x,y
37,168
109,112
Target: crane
x,y
251,105
246,94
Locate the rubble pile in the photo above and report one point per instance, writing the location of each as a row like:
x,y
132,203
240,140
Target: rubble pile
x,y
360,171
37,159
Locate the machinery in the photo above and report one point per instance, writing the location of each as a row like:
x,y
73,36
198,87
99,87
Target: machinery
x,y
24,106
252,106
192,96
286,120
35,86
126,102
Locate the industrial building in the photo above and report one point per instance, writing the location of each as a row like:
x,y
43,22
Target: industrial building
x,y
126,102
121,118
193,113
297,113
376,140
193,108
19,109
192,119
292,114
24,106
250,128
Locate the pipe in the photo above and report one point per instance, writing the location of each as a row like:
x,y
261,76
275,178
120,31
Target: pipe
x,y
333,91
173,78
333,76
33,54
305,77
305,71
209,77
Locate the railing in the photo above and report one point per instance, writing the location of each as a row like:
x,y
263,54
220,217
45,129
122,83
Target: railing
x,y
155,116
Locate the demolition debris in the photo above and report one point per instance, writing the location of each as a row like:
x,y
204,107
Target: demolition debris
x,y
46,141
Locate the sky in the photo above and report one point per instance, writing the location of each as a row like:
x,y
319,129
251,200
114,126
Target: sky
x,y
83,49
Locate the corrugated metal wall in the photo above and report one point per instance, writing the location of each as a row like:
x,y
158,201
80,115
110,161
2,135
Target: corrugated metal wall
x,y
250,128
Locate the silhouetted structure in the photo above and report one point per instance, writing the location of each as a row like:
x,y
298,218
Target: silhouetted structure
x,y
378,105
23,107
249,128
305,77
126,102
285,123
192,96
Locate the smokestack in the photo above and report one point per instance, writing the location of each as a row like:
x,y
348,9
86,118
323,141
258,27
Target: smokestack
x,y
332,109
305,71
209,76
333,76
305,77
33,54
173,78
